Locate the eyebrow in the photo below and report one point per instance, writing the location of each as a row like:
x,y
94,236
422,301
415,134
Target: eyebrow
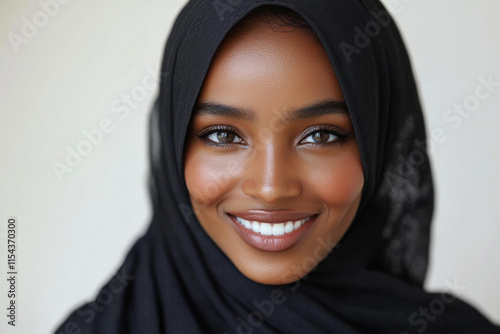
x,y
321,108
318,109
215,109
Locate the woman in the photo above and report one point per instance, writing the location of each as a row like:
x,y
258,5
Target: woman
x,y
291,186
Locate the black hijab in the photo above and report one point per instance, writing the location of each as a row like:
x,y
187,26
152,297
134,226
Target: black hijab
x,y
176,280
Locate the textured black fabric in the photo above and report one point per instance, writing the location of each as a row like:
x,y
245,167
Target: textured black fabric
x,y
176,280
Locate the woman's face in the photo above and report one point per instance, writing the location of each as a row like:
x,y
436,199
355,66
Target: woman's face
x,y
271,163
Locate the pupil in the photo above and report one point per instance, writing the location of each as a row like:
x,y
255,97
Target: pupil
x,y
321,137
225,137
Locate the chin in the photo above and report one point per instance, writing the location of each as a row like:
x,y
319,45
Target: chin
x,y
275,273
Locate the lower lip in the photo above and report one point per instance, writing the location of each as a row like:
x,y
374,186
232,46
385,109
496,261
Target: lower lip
x,y
270,243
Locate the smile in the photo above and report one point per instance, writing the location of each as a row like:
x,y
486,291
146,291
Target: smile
x,y
275,229
272,231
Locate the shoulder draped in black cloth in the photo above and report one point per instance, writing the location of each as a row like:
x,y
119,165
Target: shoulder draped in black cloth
x,y
176,280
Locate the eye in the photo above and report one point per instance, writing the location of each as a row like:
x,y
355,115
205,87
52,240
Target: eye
x,y
320,137
324,135
220,136
224,137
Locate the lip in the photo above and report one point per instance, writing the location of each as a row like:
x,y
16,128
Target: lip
x,y
270,243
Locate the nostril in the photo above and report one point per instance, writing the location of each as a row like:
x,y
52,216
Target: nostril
x,y
272,192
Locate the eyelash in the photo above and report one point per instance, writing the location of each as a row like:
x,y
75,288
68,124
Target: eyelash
x,y
341,135
203,135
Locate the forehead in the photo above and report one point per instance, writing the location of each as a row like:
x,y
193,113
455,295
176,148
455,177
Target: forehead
x,y
260,68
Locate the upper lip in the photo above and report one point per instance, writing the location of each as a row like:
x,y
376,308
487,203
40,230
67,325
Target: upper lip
x,y
272,216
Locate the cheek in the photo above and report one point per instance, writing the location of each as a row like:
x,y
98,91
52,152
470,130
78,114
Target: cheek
x,y
208,177
340,181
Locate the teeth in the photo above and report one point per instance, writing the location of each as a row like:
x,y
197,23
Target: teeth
x,y
289,227
279,229
265,228
272,229
247,224
297,224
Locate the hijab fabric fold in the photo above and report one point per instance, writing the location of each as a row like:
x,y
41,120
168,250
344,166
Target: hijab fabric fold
x,y
176,280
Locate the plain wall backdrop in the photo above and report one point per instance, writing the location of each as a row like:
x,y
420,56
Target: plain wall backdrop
x,y
93,65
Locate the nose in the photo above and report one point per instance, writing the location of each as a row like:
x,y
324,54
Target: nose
x,y
271,177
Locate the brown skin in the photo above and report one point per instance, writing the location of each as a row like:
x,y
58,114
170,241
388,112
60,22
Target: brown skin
x,y
271,163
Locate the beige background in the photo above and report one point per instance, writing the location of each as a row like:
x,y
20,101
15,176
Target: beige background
x,y
69,77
